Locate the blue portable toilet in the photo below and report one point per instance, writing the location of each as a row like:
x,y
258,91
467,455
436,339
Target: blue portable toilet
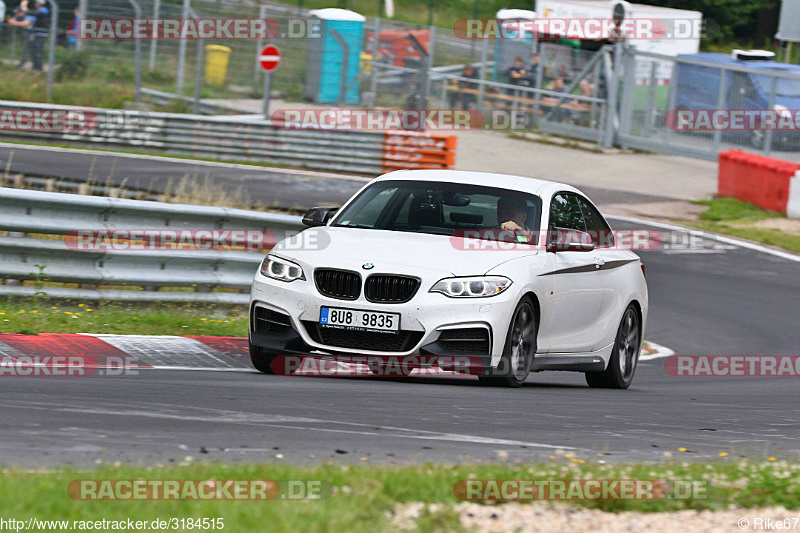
x,y
335,52
519,41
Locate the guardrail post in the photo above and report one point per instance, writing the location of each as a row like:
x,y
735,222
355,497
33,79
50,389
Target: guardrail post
x,y
373,82
262,14
428,66
771,107
153,40
722,92
138,51
613,90
51,56
481,88
181,53
83,9
198,76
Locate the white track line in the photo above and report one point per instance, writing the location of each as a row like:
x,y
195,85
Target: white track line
x,y
660,351
715,236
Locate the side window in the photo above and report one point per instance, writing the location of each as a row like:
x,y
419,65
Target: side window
x,y
565,212
596,225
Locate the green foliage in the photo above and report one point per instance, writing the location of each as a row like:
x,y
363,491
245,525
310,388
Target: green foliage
x,y
727,20
722,208
72,65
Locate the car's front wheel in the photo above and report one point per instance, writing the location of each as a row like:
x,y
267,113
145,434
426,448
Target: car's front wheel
x,y
262,359
518,352
624,356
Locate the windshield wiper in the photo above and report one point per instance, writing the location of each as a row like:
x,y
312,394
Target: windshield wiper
x,y
358,226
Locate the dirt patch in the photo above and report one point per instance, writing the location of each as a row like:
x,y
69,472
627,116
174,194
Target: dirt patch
x,y
540,517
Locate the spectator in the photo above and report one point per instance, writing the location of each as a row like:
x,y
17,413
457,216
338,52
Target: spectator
x,y
586,88
24,18
533,71
41,28
559,114
467,99
73,29
517,73
557,85
415,102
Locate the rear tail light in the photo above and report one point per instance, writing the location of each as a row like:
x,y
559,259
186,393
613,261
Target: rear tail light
x,y
643,271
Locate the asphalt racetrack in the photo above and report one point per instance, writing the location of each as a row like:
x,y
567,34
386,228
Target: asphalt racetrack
x,y
721,299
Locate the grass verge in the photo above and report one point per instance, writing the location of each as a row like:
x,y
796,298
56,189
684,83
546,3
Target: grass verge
x,y
44,315
729,216
362,497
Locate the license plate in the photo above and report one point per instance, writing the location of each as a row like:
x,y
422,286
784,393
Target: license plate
x,y
352,319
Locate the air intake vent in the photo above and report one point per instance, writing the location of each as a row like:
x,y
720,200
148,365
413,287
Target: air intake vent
x,y
269,321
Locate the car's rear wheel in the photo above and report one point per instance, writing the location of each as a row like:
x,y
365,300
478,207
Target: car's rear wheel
x,y
518,352
262,359
624,356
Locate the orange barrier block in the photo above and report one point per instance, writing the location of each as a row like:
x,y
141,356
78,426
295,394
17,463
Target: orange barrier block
x,y
412,149
756,179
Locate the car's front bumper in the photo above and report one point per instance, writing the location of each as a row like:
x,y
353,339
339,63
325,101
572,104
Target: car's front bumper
x,y
426,320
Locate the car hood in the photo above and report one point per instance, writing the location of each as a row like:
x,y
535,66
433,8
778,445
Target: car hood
x,y
401,252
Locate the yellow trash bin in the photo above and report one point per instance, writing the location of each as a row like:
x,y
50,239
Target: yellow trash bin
x,y
217,57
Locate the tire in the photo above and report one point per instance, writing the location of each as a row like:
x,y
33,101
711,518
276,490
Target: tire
x,y
518,350
262,359
624,355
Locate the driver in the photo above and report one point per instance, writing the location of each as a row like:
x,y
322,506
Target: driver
x,y
512,214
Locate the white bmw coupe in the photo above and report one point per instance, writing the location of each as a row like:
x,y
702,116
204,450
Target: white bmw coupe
x,y
520,274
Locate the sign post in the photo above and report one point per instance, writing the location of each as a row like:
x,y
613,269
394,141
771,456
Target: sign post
x,y
269,59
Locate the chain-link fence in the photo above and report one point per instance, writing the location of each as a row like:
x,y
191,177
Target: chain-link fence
x,y
709,103
610,95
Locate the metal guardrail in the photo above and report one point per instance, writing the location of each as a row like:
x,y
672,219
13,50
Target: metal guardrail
x,y
224,138
246,138
57,214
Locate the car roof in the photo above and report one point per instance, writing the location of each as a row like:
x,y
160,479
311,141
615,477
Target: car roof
x,y
539,187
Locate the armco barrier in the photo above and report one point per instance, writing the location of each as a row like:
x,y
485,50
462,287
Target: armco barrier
x,y
28,216
767,182
244,138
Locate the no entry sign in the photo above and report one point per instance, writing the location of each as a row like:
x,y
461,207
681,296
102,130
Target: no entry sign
x,y
269,58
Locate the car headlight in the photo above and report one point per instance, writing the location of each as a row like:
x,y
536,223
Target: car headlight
x,y
472,287
281,269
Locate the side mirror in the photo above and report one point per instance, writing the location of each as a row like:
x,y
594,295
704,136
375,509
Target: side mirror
x,y
319,216
569,240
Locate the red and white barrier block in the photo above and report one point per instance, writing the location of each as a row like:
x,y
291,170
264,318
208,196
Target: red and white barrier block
x,y
793,205
769,183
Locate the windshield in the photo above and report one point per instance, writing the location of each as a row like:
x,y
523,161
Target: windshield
x,y
443,209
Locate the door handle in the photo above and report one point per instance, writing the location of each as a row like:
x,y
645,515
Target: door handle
x,y
599,262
